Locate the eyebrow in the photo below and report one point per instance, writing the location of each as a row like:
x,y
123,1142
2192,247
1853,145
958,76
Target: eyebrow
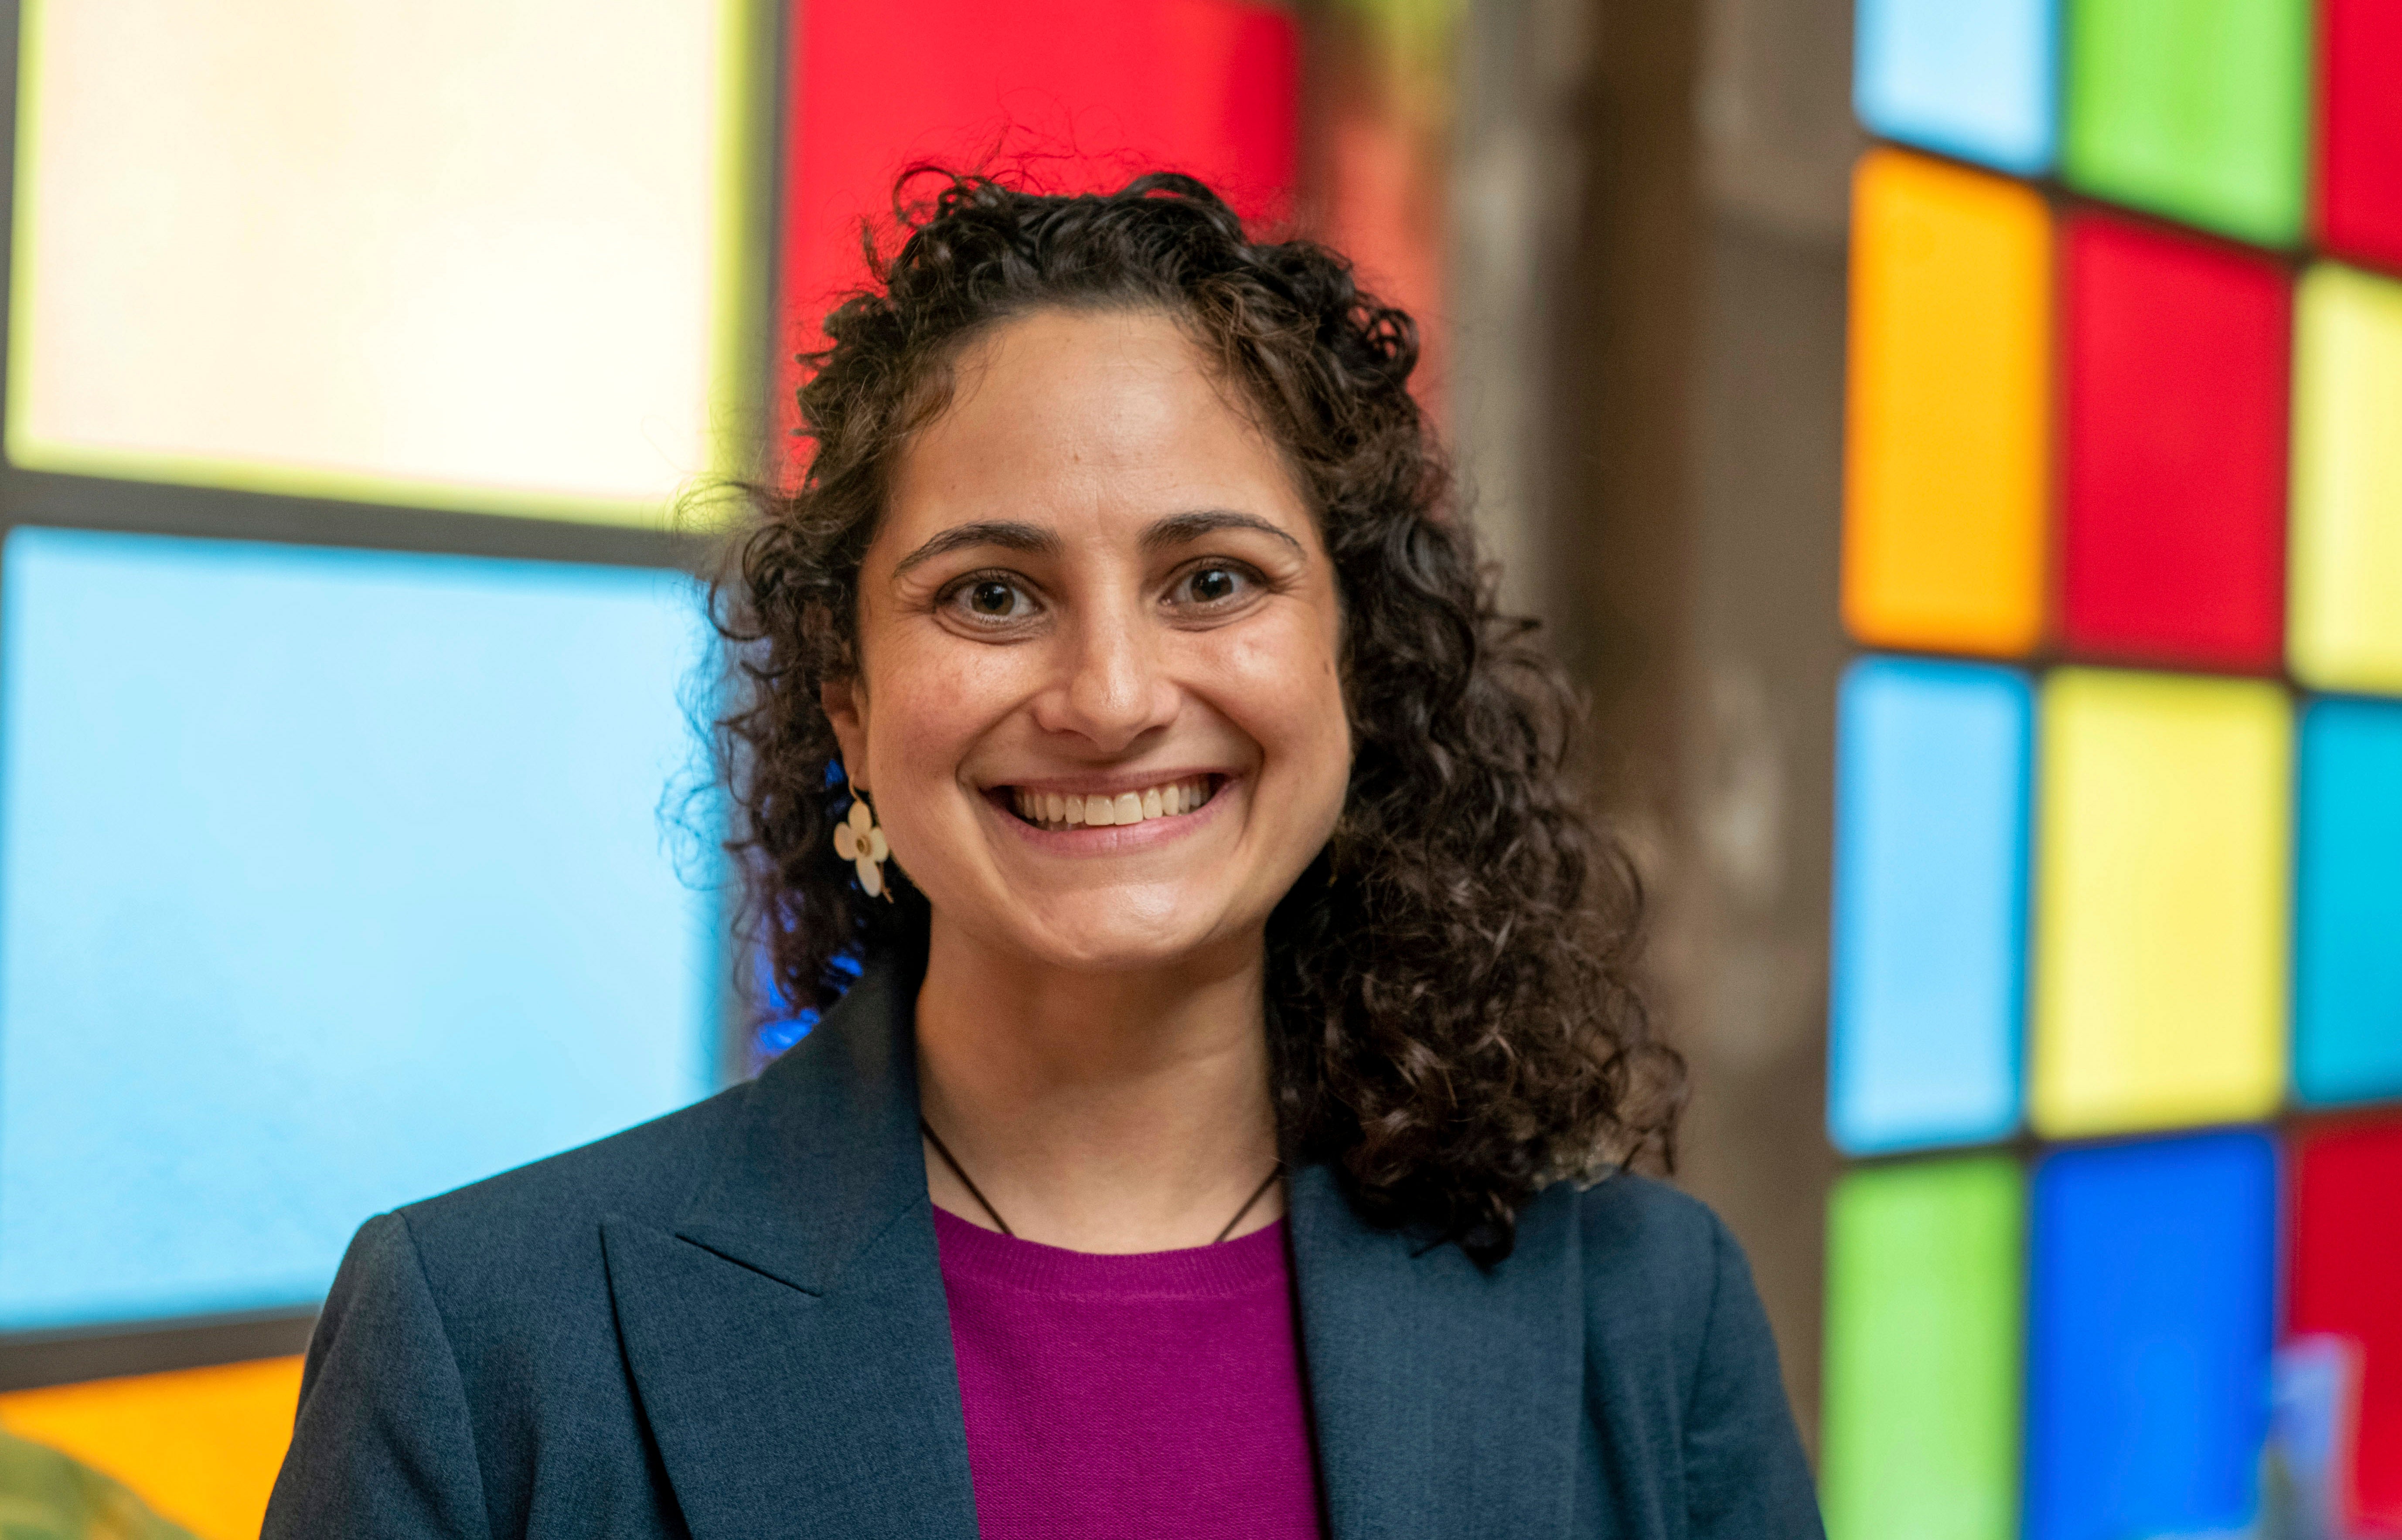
x,y
1178,529
1010,534
1006,533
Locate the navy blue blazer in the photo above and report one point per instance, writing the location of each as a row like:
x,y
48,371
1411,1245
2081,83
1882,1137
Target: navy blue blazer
x,y
729,1324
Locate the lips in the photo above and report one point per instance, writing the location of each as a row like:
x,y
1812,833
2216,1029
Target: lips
x,y
1058,810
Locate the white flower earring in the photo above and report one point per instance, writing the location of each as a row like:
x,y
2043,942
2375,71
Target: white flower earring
x,y
860,841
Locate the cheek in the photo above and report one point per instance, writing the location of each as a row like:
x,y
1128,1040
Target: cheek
x,y
1287,692
919,728
926,711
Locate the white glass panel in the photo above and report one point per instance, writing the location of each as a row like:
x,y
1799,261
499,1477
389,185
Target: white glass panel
x,y
464,252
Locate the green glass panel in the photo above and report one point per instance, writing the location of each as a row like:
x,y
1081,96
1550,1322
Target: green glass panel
x,y
1923,1324
2195,109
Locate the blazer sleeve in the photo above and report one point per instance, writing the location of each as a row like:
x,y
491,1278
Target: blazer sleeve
x,y
382,1449
1744,1472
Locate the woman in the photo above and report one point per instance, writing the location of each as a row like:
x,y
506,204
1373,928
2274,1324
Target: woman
x,y
1222,1135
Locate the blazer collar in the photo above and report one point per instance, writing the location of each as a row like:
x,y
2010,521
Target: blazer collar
x,y
827,1154
789,1336
790,1339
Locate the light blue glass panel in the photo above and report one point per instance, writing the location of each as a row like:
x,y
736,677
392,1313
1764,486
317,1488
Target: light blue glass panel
x,y
1930,899
328,880
2348,903
2151,1316
1973,79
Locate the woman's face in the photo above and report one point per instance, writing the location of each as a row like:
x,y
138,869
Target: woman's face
x,y
1100,710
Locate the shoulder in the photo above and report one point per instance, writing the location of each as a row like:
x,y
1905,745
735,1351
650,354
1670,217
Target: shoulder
x,y
646,1172
465,1373
1641,1234
495,1295
526,1229
1664,1279
1675,1342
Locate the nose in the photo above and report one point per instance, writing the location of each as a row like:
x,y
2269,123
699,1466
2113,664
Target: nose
x,y
1113,685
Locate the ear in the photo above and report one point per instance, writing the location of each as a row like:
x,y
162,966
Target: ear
x,y
846,707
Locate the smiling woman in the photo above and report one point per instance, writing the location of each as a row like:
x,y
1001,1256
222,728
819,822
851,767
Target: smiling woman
x,y
1133,767
1095,578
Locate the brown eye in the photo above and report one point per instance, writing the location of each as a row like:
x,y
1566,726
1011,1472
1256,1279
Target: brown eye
x,y
997,602
1214,584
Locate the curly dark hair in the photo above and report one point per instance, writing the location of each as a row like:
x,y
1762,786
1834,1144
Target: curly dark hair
x,y
1453,1023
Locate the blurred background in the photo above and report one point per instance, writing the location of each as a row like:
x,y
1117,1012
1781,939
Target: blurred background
x,y
1957,443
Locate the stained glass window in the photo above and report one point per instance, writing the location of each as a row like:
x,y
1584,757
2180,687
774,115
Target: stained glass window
x,y
459,253
2196,109
2173,473
1968,78
1947,480
328,880
1930,894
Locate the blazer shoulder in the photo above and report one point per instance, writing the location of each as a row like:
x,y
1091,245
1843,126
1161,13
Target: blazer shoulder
x,y
1678,1342
1654,1260
647,1172
1633,1225
466,1372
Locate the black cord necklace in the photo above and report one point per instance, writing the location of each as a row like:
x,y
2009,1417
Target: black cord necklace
x,y
1003,1225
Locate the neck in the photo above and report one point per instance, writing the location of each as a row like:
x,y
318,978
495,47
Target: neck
x,y
1119,1111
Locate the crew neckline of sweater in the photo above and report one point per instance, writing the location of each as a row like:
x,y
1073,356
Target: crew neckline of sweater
x,y
973,1253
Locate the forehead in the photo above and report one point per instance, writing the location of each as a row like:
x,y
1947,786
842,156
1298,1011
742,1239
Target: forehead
x,y
1081,414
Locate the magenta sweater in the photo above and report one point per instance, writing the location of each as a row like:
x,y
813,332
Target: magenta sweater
x,y
1155,1395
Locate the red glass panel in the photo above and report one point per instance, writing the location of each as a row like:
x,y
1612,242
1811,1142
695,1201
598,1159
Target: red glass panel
x,y
1068,95
2360,129
2176,353
2347,1280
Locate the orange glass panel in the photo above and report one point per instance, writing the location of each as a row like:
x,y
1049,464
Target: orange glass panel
x,y
200,1444
1947,437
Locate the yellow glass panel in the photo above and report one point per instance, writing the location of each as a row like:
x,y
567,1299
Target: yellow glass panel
x,y
200,1444
1948,421
2345,599
2163,807
451,253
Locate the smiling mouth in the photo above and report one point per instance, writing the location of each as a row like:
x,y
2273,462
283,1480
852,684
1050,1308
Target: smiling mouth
x,y
1058,810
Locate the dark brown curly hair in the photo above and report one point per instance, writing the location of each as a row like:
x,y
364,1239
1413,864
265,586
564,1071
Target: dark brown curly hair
x,y
1453,1022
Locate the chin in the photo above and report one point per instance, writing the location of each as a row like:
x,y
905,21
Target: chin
x,y
1109,933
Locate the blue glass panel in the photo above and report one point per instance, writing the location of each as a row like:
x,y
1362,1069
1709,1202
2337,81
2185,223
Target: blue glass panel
x,y
1930,899
328,880
1973,79
2348,903
2149,1329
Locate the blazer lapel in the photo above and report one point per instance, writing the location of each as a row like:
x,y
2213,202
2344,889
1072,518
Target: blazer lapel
x,y
1445,1397
791,1343
789,1336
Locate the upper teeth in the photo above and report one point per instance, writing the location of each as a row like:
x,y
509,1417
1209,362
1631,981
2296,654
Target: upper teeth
x,y
1064,810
